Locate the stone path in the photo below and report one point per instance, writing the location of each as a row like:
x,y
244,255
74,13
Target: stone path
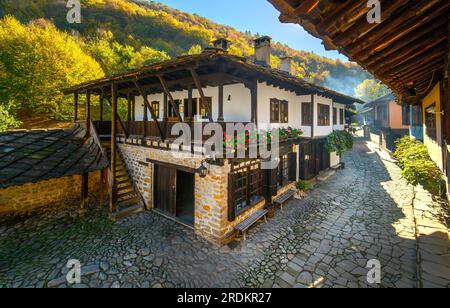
x,y
326,240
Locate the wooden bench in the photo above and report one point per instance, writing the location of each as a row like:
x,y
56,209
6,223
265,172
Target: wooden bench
x,y
283,198
254,218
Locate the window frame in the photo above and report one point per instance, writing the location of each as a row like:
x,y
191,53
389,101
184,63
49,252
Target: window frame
x,y
156,110
335,116
431,123
323,119
306,116
342,116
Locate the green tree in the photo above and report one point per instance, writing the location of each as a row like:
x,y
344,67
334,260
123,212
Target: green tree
x,y
36,62
370,90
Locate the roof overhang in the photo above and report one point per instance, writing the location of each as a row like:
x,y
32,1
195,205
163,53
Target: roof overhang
x,y
408,50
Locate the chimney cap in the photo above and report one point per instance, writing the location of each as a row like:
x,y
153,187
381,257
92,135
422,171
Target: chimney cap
x,y
262,39
221,43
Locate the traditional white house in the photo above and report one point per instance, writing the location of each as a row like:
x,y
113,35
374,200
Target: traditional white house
x,y
212,195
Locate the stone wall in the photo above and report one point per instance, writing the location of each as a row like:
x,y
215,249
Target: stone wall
x,y
211,192
18,200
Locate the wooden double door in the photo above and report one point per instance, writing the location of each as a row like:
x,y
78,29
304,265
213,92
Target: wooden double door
x,y
174,193
313,158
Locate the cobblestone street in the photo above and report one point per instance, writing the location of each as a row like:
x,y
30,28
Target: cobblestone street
x,y
364,212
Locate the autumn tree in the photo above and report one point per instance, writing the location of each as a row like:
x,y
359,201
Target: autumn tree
x,y
36,62
370,90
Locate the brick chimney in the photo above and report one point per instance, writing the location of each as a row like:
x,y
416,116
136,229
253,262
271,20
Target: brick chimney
x,y
221,43
286,64
263,51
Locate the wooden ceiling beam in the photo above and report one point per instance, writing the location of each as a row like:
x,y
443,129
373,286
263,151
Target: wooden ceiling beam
x,y
363,28
412,39
412,63
344,15
413,50
387,36
306,7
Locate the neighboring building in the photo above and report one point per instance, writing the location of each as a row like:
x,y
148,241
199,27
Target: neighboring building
x,y
212,195
413,60
386,121
43,167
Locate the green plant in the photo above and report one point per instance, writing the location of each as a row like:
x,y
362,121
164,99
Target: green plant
x,y
303,185
417,165
339,142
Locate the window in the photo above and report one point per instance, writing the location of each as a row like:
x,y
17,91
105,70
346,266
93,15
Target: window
x,y
172,113
417,118
155,108
279,111
203,113
342,116
323,115
406,110
306,114
274,111
335,120
430,122
246,187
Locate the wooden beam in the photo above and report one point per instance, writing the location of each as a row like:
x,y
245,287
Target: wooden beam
x,y
128,112
169,95
75,101
306,7
112,180
221,99
84,191
202,94
88,112
190,110
147,106
102,99
391,46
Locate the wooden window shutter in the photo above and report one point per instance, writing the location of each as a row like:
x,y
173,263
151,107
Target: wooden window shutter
x,y
232,177
293,166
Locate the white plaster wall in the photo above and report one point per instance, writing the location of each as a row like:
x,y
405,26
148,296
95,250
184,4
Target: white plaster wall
x,y
237,109
340,126
321,131
266,92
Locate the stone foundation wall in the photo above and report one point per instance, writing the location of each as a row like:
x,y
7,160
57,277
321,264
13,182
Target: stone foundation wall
x,y
211,192
18,200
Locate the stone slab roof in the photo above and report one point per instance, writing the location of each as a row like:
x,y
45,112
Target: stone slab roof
x,y
32,156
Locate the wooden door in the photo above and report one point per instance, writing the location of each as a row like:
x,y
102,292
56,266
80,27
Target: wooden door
x,y
165,190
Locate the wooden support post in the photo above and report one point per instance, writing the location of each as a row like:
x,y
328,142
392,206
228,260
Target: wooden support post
x,y
102,188
171,100
84,191
202,94
128,112
253,86
220,118
190,106
88,112
102,99
312,115
112,181
145,116
75,101
133,103
147,107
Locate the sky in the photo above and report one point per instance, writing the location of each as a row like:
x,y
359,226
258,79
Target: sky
x,y
257,16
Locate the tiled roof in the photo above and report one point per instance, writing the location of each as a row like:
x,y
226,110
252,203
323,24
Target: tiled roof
x,y
32,156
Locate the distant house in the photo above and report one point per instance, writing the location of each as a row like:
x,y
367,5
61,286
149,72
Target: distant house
x,y
386,120
210,194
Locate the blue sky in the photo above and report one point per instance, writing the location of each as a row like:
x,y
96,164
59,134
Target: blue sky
x,y
258,16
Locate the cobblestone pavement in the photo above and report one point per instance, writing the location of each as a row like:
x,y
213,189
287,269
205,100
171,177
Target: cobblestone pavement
x,y
325,240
